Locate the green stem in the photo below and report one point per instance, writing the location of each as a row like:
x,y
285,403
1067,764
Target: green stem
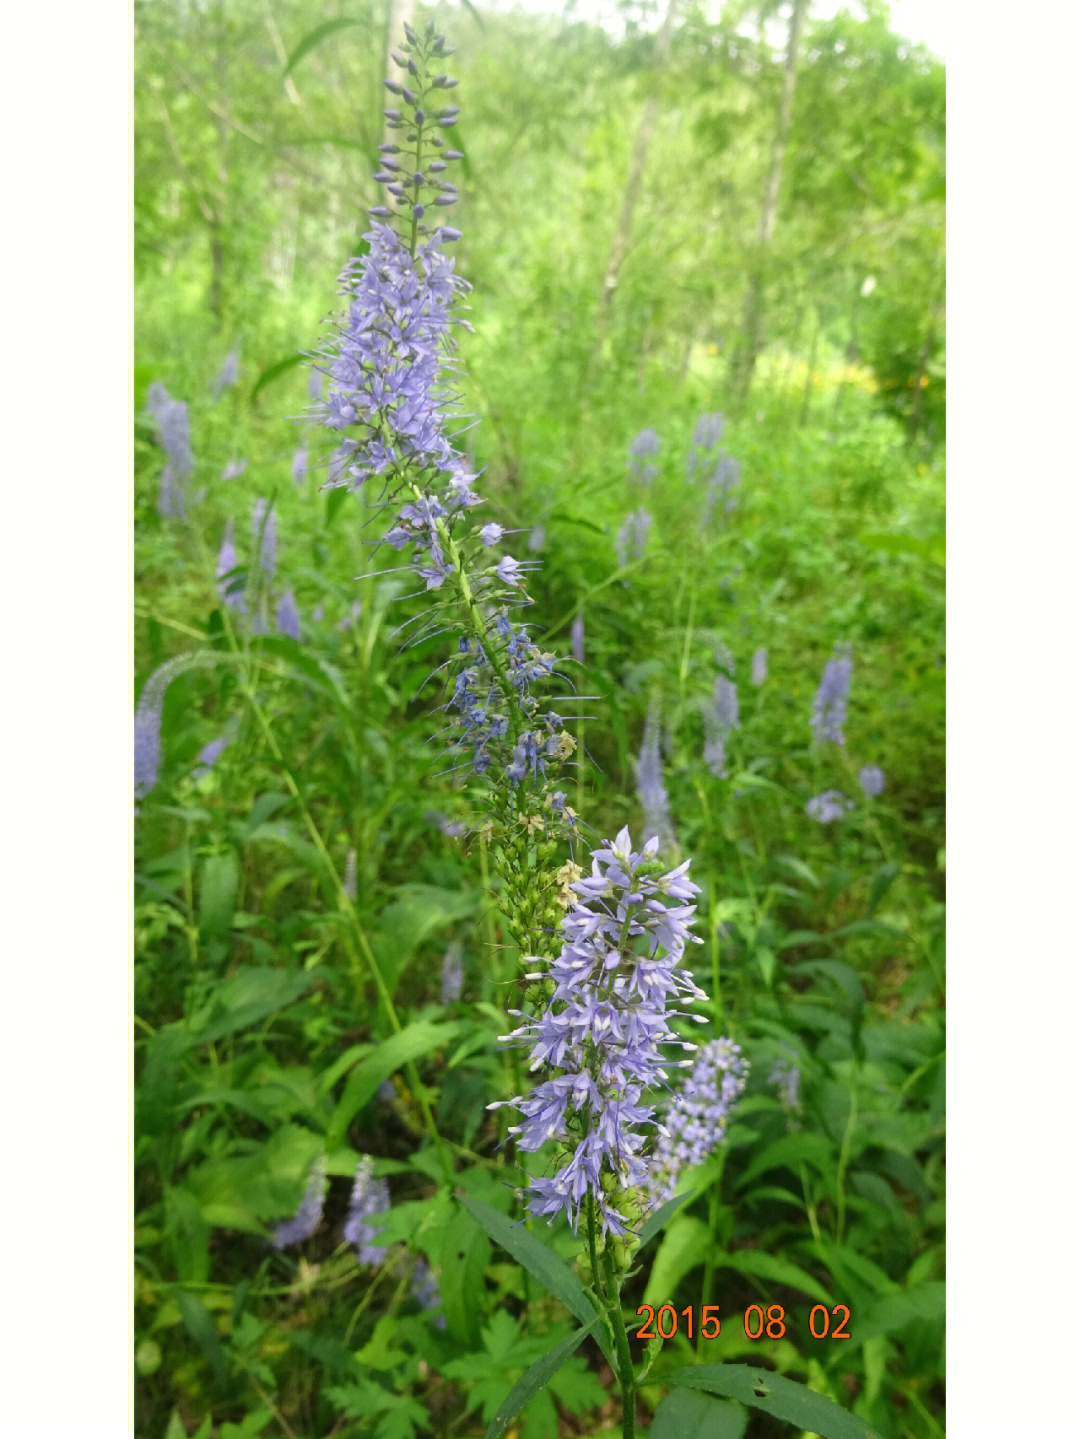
x,y
622,1349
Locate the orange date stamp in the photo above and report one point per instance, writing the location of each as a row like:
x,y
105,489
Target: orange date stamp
x,y
770,1323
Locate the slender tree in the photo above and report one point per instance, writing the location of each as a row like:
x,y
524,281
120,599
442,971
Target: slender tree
x,y
639,156
744,357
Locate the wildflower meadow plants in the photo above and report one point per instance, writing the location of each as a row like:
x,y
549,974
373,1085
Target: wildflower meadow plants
x,y
432,998
607,1002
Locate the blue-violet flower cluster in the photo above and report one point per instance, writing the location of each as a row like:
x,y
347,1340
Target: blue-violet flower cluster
x,y
696,1120
602,1036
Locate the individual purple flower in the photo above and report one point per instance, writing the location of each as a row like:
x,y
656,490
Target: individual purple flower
x,y
650,783
491,534
720,720
696,1120
603,1035
759,666
453,973
642,447
830,702
370,1197
264,530
633,536
234,469
577,638
228,373
827,807
230,585
300,465
509,570
308,1217
872,780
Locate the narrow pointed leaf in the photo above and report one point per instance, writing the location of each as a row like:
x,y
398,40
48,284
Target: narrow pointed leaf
x,y
316,36
536,1378
541,1263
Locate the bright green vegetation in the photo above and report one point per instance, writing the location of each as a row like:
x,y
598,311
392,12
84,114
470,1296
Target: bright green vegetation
x,y
271,1007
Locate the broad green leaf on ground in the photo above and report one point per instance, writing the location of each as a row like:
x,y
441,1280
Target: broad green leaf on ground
x,y
782,1398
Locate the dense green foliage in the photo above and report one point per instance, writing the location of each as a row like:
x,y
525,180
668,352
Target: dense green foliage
x,y
274,1001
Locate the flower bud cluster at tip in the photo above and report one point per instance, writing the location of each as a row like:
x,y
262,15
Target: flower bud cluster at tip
x,y
603,1034
696,1120
412,171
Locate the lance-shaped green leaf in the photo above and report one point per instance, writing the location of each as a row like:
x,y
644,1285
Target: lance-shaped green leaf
x,y
314,37
534,1379
542,1263
362,1085
782,1398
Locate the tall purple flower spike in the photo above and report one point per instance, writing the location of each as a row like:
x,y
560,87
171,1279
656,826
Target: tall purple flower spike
x,y
602,1037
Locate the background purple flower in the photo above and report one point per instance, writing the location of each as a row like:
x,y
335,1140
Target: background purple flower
x,y
696,1120
650,784
830,702
642,447
827,807
264,531
370,1197
288,616
308,1217
632,537
453,973
577,638
759,666
872,780
227,374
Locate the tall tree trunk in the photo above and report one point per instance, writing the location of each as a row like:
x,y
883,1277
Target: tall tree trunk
x,y
745,356
639,156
